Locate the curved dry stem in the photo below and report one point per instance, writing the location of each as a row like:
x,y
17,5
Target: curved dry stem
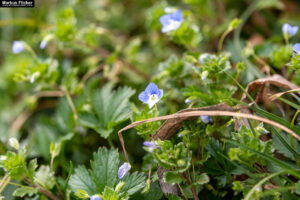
x,y
199,113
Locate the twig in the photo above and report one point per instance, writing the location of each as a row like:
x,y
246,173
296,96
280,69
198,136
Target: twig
x,y
42,190
189,184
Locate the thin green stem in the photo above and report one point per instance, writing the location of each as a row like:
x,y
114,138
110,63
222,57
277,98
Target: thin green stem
x,y
4,182
69,99
221,41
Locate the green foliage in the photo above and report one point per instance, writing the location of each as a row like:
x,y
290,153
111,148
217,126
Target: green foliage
x,y
102,178
21,192
75,81
174,157
110,108
281,56
250,139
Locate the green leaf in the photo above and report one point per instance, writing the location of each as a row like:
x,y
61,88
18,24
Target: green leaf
x,y
83,180
44,177
134,182
105,168
202,179
110,194
112,107
298,187
279,163
22,191
82,194
173,197
282,143
276,119
31,168
172,178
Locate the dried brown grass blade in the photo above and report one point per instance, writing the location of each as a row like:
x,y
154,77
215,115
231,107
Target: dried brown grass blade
x,y
276,80
275,96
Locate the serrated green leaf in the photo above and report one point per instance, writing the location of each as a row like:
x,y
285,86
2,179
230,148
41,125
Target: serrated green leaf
x,y
111,108
83,180
22,191
31,168
134,182
44,177
105,168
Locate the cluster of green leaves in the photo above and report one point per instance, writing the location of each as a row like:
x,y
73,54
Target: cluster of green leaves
x,y
102,179
65,100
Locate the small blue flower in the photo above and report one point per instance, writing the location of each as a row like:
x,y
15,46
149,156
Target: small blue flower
x,y
17,47
206,119
171,21
150,145
289,30
151,95
43,44
203,57
187,101
123,170
95,197
296,48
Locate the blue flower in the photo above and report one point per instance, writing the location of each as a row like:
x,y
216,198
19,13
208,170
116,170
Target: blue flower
x,y
296,48
150,145
123,170
206,119
43,44
203,57
171,21
17,47
187,101
289,30
95,197
151,95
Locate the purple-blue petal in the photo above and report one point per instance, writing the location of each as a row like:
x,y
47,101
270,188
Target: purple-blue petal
x,y
165,19
160,94
152,89
177,16
296,48
144,97
17,47
123,170
290,30
206,119
95,197
148,144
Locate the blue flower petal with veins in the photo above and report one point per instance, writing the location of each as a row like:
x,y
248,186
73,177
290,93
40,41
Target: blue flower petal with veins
x,y
289,30
171,21
151,95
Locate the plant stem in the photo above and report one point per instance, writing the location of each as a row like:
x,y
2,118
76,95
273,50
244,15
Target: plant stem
x,y
191,187
71,104
4,182
42,190
220,45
